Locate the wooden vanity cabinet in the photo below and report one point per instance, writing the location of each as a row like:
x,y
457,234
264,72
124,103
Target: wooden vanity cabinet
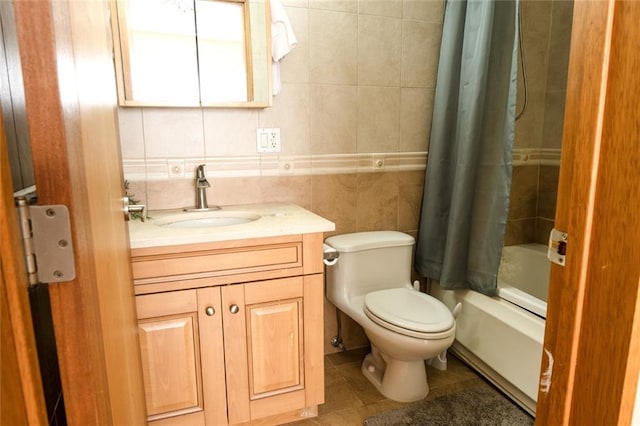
x,y
234,353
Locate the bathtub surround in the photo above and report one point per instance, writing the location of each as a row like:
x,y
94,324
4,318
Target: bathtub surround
x,y
546,36
468,176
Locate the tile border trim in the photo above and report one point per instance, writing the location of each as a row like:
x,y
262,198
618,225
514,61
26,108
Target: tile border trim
x,y
301,165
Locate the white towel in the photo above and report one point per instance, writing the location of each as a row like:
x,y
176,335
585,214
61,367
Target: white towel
x,y
282,40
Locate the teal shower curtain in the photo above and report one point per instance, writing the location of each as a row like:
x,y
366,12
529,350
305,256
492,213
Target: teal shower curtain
x,y
468,177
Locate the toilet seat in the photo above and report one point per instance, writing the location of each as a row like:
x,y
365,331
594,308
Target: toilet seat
x,y
410,313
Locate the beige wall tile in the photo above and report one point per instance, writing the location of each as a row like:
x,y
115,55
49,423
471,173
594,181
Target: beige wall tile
x,y
333,119
352,333
174,194
536,21
173,132
410,192
377,205
529,127
548,192
230,132
336,5
294,68
379,50
378,119
335,197
332,47
423,10
420,53
392,8
295,3
290,112
286,189
131,133
229,191
547,205
524,192
416,108
330,326
543,228
549,176
561,21
553,120
519,231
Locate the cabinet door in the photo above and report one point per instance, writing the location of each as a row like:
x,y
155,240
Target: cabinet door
x,y
264,344
182,357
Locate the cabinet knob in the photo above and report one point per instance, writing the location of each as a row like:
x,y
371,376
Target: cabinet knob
x,y
234,309
210,311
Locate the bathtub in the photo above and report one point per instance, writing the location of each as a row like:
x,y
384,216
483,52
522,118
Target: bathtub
x,y
501,337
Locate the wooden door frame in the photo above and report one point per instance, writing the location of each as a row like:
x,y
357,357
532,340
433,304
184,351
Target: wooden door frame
x,y
590,364
22,398
70,103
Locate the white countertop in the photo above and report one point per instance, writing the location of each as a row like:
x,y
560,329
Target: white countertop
x,y
274,220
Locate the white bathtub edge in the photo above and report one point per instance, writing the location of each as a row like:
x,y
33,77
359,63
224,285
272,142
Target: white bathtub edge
x,y
498,338
526,403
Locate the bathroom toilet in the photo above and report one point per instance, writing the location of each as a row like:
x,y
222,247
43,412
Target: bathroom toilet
x,y
371,283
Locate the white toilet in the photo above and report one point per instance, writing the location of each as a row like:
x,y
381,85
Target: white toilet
x,y
371,283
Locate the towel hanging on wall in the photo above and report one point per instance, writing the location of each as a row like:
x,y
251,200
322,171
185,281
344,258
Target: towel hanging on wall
x,y
282,40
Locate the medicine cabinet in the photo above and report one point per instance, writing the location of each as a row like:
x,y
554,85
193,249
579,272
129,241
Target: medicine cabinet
x,y
192,52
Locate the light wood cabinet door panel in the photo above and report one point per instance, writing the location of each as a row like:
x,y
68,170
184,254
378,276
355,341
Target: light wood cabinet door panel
x,y
171,364
275,347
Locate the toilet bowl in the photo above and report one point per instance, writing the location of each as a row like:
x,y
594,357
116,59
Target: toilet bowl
x,y
371,283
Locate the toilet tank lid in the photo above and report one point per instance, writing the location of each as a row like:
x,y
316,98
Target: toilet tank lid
x,y
369,240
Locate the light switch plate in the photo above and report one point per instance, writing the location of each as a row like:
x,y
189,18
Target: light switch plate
x,y
268,139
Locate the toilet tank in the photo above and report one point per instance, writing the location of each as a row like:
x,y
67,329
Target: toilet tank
x,y
368,261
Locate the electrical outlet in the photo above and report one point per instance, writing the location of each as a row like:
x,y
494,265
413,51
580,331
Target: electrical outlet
x,y
268,139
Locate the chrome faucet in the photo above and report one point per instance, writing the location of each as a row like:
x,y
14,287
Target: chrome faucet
x,y
201,191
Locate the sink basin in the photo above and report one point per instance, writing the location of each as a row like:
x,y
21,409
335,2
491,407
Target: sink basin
x,y
206,219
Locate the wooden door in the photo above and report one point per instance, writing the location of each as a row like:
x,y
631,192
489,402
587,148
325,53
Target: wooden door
x,y
22,399
590,364
70,110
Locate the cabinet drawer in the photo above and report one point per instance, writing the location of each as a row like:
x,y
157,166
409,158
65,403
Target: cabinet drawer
x,y
217,262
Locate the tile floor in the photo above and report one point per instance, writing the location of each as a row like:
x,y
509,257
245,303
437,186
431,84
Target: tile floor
x,y
350,398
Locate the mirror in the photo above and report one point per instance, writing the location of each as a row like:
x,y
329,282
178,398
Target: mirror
x,y
192,52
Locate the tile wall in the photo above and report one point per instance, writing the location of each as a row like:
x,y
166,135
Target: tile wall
x,y
546,34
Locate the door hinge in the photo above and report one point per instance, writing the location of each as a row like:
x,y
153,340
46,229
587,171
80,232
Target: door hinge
x,y
557,251
46,238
